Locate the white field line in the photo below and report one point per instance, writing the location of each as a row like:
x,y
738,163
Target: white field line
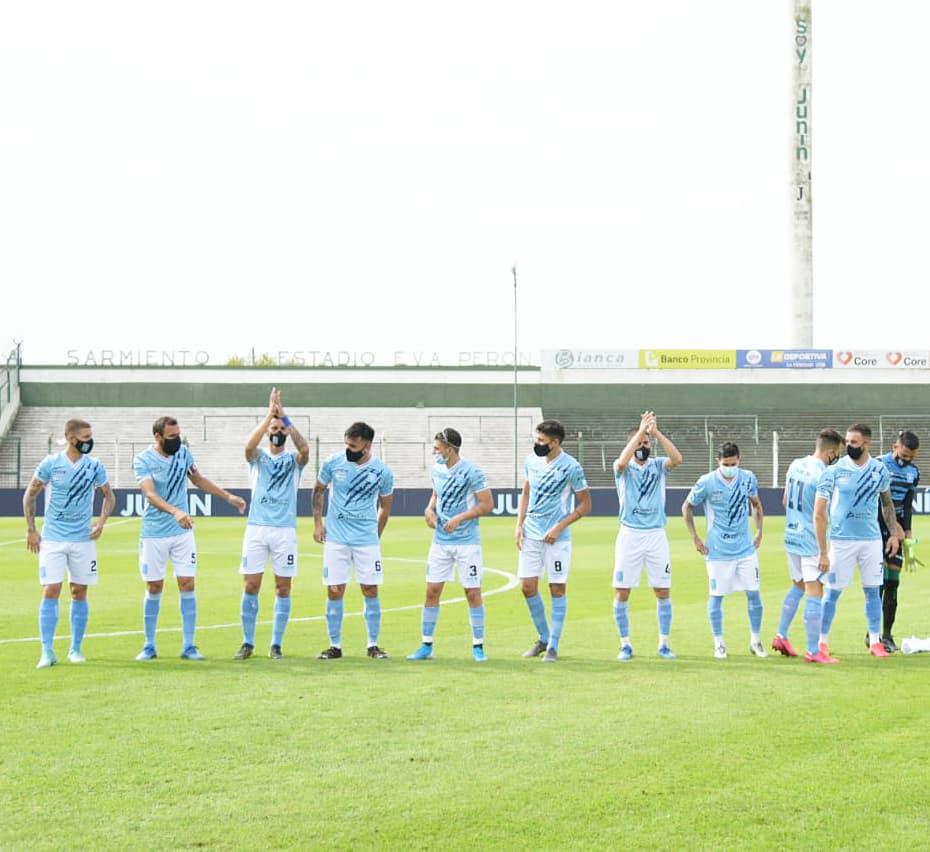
x,y
512,583
109,524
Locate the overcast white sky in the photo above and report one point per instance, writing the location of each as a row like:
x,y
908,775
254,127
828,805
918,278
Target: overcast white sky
x,y
362,176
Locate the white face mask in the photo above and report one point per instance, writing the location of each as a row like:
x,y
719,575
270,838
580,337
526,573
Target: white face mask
x,y
729,471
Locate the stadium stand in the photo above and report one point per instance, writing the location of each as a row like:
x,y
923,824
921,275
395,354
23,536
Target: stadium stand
x,y
216,436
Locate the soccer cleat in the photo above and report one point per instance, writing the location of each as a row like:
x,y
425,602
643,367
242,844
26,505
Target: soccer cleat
x,y
666,653
720,651
783,646
878,650
244,652
275,652
819,657
146,654
331,653
191,653
47,660
477,651
626,654
424,652
76,657
757,649
377,653
551,656
539,647
889,643
823,648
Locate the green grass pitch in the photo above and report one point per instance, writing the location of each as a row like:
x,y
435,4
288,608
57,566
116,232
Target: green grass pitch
x,y
512,754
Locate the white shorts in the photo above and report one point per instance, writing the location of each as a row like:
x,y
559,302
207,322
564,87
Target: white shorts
x,y
845,554
154,554
804,568
733,575
635,548
338,560
443,559
261,543
538,558
78,557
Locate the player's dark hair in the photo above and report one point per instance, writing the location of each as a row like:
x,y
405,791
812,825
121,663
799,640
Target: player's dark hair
x,y
906,438
829,438
361,430
450,437
727,450
862,429
74,425
158,427
552,429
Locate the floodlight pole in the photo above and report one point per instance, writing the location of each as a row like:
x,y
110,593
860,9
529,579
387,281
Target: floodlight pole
x,y
802,289
516,466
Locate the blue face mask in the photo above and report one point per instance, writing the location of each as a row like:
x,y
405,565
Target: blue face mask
x,y
729,471
440,459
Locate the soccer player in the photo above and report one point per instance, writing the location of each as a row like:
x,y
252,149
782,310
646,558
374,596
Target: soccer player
x,y
361,489
271,532
542,534
905,477
69,535
801,546
162,472
852,489
731,552
641,538
460,496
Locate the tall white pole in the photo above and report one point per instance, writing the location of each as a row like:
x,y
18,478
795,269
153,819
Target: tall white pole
x,y
802,290
516,444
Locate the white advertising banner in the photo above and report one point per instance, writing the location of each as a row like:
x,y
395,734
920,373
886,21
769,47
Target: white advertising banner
x,y
913,359
590,359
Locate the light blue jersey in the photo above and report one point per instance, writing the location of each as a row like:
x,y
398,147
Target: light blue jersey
x,y
456,492
69,495
852,493
800,489
274,480
352,516
727,511
169,474
551,487
641,489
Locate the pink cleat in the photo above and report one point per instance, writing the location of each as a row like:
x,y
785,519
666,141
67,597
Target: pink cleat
x,y
783,646
820,657
878,650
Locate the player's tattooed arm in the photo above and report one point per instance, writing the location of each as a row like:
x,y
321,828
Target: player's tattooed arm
x,y
300,443
891,521
319,528
109,503
687,512
675,457
757,517
29,513
820,529
384,511
521,514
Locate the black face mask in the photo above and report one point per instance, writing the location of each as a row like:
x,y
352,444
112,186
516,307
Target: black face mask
x,y
84,447
354,455
541,449
899,462
833,461
277,439
643,453
171,445
855,453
